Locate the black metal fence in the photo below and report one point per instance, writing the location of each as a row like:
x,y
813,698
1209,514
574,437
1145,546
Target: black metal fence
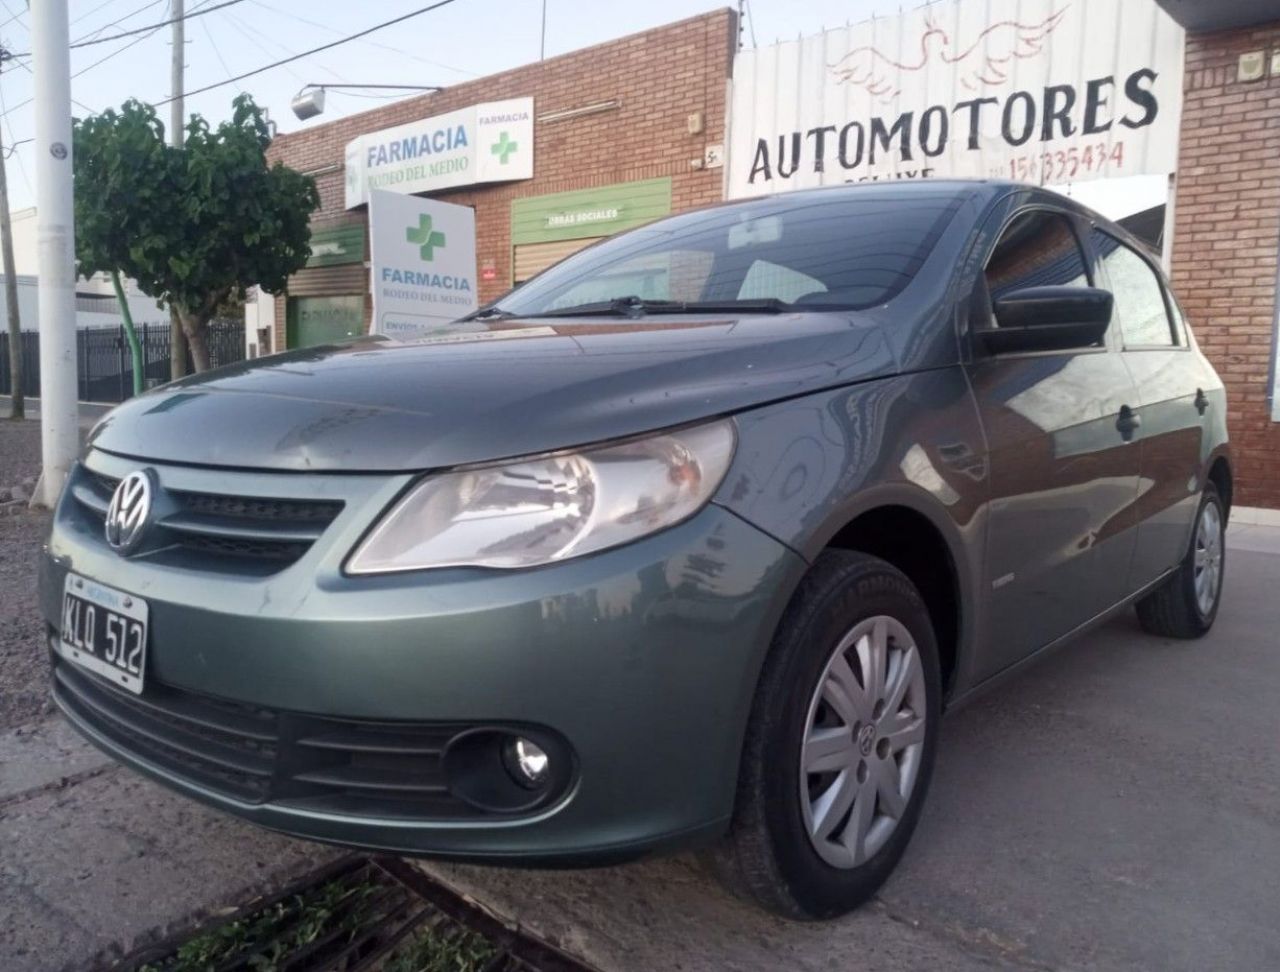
x,y
104,366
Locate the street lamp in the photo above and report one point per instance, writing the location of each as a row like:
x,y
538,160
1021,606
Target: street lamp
x,y
309,102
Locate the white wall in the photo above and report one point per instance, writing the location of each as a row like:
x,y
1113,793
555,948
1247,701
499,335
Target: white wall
x,y
25,262
143,309
259,312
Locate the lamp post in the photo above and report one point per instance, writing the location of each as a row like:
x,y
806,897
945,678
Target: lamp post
x,y
309,102
55,244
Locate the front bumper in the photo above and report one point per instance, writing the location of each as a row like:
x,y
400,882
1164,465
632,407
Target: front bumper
x,y
642,659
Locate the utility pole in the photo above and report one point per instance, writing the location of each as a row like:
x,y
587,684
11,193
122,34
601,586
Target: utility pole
x,y
55,243
177,337
17,408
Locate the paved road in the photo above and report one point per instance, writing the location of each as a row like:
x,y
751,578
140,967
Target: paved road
x,y
1115,807
90,412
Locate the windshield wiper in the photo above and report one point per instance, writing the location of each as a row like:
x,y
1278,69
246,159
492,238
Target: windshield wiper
x,y
630,306
636,306
488,313
750,305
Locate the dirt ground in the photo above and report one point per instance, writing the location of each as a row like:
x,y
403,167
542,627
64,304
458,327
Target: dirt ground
x,y
19,450
24,684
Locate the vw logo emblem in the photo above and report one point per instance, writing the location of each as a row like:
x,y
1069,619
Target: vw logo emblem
x,y
866,739
130,510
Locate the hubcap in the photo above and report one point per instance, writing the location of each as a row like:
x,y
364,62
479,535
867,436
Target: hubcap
x,y
1208,559
863,742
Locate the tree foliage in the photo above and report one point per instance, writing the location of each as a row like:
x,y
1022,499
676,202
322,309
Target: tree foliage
x,y
196,226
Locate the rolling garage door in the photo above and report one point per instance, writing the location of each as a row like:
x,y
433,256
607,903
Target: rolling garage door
x,y
532,258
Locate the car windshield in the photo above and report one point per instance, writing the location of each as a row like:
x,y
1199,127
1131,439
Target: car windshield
x,y
819,251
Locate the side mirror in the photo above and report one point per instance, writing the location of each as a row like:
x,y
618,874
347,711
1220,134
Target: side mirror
x,y
1049,319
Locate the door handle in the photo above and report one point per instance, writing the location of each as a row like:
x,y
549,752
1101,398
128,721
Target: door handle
x,y
1128,423
1202,401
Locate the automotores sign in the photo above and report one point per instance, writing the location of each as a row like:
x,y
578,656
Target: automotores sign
x,y
1043,91
423,263
490,142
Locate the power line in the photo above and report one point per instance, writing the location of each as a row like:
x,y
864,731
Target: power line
x,y
12,148
79,104
89,13
12,16
114,23
386,47
217,53
149,29
314,50
101,60
250,36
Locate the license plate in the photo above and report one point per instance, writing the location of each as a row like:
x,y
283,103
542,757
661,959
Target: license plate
x,y
105,631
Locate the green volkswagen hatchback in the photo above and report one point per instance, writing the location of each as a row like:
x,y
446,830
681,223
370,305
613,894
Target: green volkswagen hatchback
x,y
689,541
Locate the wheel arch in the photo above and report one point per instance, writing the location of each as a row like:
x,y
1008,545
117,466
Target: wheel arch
x,y
1220,474
902,528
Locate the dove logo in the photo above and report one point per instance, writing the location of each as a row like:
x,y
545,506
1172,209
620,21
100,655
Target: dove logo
x,y
985,60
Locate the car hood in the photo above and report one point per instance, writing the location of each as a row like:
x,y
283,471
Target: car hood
x,y
481,391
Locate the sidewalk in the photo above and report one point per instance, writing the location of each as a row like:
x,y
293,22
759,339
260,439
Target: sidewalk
x,y
1039,847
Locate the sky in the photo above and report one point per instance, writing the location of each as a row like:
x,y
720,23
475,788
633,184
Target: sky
x,y
464,39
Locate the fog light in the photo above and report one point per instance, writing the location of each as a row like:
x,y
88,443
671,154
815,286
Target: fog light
x,y
527,762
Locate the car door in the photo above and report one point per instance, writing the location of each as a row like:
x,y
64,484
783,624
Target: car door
x,y
1064,470
1172,399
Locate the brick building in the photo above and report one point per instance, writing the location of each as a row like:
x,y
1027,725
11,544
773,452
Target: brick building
x,y
1226,222
636,119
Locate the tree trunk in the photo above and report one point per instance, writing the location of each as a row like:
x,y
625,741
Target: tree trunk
x,y
177,345
135,349
196,328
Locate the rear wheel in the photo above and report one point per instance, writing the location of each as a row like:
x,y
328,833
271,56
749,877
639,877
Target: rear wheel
x,y
1186,605
841,742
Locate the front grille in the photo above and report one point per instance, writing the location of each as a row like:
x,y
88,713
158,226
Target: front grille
x,y
223,531
259,755
226,747
251,508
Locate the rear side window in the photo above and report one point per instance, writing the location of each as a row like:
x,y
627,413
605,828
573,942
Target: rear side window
x,y
1138,294
1038,249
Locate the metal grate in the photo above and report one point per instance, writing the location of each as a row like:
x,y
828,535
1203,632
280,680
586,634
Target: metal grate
x,y
340,766
229,748
358,914
254,508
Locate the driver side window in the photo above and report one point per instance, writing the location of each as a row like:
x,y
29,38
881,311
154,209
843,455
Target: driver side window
x,y
1038,249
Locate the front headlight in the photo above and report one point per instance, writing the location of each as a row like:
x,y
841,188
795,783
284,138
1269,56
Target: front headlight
x,y
550,508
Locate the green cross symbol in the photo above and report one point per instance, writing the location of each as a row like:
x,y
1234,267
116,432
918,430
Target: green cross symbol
x,y
503,147
426,238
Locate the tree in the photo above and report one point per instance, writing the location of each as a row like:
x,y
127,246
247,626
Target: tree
x,y
196,226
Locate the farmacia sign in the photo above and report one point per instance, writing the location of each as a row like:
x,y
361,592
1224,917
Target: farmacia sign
x,y
423,263
490,142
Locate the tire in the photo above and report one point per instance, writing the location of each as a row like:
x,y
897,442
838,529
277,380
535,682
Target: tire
x,y
769,855
1177,608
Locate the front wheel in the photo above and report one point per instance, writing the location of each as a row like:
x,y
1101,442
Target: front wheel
x,y
1186,605
840,745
